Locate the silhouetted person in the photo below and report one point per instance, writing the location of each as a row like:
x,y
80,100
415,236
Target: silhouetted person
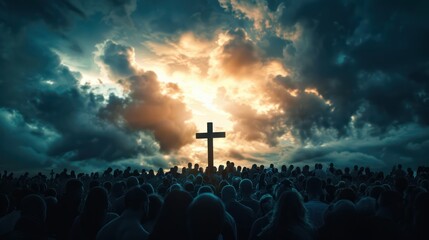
x,y
8,221
387,222
340,221
68,208
117,191
31,224
289,219
242,215
206,218
314,206
246,190
155,205
119,204
266,204
127,226
94,215
205,189
390,206
171,222
366,206
148,188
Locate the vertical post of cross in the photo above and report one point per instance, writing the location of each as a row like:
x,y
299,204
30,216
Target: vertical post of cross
x,y
210,146
209,135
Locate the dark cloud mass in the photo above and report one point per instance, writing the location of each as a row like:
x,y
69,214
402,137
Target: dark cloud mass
x,y
46,115
362,56
239,54
146,107
356,88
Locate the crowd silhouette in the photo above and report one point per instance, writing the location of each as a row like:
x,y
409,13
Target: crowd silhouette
x,y
323,202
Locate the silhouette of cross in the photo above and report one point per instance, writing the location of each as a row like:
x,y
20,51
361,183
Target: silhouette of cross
x,y
210,135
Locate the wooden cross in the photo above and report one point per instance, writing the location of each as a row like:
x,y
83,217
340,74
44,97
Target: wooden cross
x,y
210,135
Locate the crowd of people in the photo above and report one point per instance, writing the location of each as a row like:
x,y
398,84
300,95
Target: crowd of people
x,y
230,202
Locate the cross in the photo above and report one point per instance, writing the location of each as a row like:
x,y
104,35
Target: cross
x,y
210,135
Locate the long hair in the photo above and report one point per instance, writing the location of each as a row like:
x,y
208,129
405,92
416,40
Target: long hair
x,y
289,211
94,212
171,222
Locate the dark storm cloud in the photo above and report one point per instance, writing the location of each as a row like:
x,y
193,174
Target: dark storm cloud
x,y
146,107
118,59
46,117
239,54
21,144
57,14
171,16
407,145
55,119
368,58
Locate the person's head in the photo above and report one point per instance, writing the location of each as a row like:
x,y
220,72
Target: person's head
x,y
206,216
289,210
155,204
136,200
74,190
171,222
94,211
246,187
375,191
33,207
266,203
132,182
222,184
347,194
228,194
189,187
366,206
147,187
314,187
284,186
175,203
199,180
94,183
107,185
205,189
341,212
390,202
96,202
118,189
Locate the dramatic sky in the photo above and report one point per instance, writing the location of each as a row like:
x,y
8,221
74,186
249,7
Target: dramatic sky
x,y
89,84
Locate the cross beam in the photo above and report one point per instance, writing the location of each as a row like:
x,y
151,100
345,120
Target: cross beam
x,y
210,135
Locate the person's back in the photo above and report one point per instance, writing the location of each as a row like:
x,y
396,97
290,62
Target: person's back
x,y
127,226
340,222
155,205
123,227
243,216
314,206
289,219
31,224
94,215
206,218
246,190
67,208
171,222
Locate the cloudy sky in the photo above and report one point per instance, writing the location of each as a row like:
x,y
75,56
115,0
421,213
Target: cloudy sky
x,y
88,84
